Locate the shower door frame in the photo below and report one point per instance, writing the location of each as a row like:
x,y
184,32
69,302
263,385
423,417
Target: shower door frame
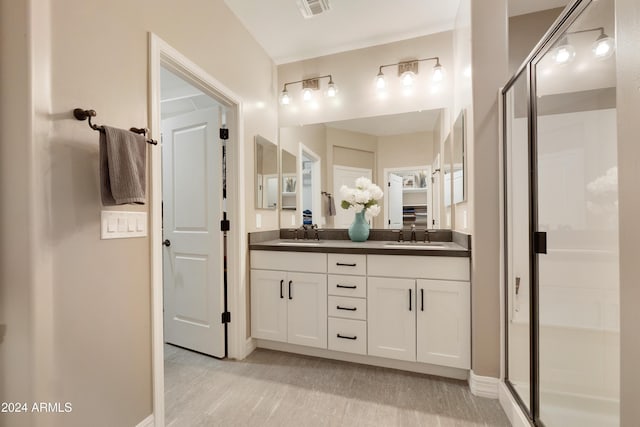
x,y
528,68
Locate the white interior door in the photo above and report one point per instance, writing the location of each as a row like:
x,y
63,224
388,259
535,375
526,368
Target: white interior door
x,y
192,264
394,201
344,175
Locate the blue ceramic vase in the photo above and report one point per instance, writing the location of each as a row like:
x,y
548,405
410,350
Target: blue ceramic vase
x,y
359,230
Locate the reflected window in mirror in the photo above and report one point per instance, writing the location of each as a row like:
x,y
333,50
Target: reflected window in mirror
x,y
266,173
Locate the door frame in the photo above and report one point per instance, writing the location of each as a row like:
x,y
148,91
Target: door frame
x,y
162,54
336,194
385,178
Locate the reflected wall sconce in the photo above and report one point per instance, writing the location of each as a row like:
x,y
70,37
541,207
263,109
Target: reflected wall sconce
x,y
602,48
407,71
309,86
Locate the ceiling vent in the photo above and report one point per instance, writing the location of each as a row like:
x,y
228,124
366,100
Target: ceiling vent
x,y
311,8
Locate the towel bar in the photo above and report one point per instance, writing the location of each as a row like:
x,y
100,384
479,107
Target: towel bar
x,y
81,115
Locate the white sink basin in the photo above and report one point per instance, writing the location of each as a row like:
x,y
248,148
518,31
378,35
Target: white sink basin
x,y
299,243
409,245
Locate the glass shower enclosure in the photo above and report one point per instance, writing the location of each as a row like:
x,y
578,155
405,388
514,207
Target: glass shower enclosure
x,y
561,224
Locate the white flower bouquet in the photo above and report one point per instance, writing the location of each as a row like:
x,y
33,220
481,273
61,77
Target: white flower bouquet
x,y
364,197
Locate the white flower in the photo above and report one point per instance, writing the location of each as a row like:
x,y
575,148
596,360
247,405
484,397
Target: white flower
x,y
348,194
358,208
362,196
372,211
363,183
376,192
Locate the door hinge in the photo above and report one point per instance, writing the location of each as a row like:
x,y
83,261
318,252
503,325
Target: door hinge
x,y
224,133
388,184
540,242
433,180
389,222
225,225
226,317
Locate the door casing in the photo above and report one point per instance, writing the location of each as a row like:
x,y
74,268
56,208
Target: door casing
x,y
161,54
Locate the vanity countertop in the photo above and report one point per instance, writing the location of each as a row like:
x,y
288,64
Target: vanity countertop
x,y
373,247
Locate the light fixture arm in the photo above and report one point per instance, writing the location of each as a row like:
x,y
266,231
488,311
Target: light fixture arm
x,y
433,58
601,29
308,80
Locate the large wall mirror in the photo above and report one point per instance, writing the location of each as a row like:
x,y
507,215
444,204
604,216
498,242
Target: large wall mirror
x,y
266,173
395,151
459,160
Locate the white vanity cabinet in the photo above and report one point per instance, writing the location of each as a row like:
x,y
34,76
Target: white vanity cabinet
x,y
415,314
289,297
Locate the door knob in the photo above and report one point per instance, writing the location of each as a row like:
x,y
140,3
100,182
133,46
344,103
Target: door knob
x,y
167,242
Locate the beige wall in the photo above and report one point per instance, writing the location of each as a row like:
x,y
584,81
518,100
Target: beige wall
x,y
83,302
490,71
525,31
16,276
628,105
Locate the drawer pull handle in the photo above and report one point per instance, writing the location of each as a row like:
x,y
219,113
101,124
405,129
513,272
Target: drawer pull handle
x,y
342,264
344,337
421,299
346,286
290,294
410,298
346,308
281,293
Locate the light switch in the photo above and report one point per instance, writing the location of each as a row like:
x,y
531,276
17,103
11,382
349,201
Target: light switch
x,y
122,225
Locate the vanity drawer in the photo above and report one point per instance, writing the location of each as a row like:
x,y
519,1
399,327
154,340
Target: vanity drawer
x,y
419,267
347,286
347,335
289,261
347,264
350,308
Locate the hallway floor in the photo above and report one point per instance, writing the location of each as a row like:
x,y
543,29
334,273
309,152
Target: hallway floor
x,y
271,388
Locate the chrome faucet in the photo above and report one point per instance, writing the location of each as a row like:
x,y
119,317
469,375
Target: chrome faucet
x,y
305,231
316,236
413,233
427,235
400,234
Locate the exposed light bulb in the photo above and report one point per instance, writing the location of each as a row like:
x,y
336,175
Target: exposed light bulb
x,y
381,81
285,99
603,47
564,53
332,89
407,79
307,95
438,73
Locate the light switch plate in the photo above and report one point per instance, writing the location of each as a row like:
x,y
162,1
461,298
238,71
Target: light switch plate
x,y
122,224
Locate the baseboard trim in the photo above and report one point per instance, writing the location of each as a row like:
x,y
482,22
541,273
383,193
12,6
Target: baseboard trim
x,y
423,368
249,346
483,386
511,407
147,422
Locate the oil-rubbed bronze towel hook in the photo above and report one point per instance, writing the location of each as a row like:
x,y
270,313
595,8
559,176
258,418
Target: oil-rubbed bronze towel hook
x,y
82,115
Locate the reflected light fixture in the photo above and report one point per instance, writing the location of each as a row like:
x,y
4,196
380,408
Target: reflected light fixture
x,y
564,52
407,71
604,46
309,86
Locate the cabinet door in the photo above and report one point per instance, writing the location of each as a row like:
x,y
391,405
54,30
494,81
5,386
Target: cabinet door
x,y
391,318
307,309
444,325
269,305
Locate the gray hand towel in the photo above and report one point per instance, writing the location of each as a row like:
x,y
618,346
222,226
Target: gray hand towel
x,y
331,206
122,167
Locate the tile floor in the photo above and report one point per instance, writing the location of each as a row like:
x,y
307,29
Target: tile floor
x,y
271,388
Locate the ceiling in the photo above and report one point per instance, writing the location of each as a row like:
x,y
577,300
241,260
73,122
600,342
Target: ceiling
x,y
287,36
179,97
393,124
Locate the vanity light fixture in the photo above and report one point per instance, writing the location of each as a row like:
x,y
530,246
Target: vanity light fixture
x,y
407,71
309,86
564,53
